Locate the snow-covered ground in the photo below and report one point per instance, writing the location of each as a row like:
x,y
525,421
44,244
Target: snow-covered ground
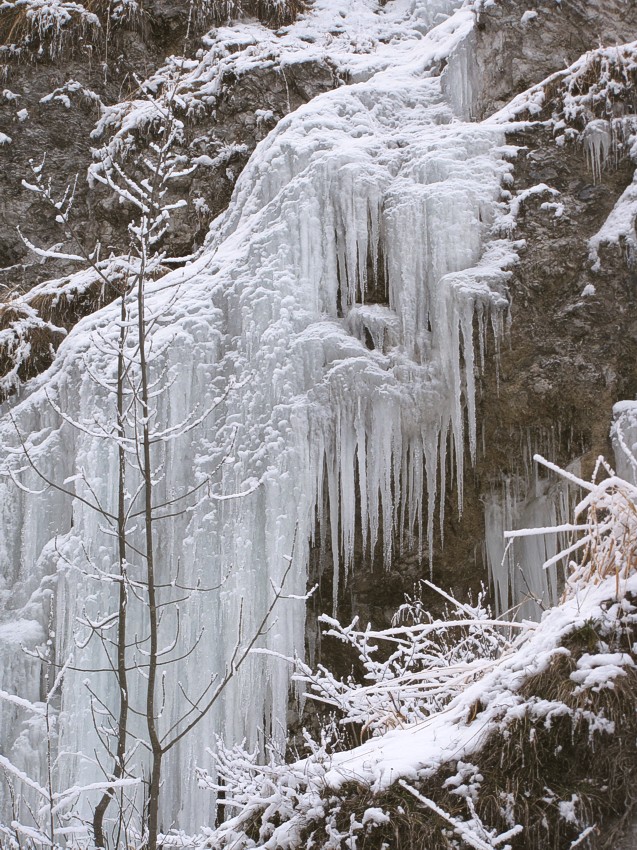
x,y
286,803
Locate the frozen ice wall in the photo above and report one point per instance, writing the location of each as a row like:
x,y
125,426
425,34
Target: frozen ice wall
x,y
374,187
522,586
624,438
532,499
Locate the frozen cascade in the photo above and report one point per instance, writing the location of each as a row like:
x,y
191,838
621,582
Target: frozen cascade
x,y
377,180
521,585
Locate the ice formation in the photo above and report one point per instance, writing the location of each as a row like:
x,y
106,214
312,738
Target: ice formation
x,y
624,437
521,583
325,402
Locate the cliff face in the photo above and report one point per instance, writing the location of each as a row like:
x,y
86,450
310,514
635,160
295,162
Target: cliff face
x,y
455,204
568,353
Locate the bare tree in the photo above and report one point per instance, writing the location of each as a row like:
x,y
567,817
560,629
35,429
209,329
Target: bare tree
x,y
142,184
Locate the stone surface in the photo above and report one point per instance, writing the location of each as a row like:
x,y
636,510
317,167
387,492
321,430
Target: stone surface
x,y
61,129
566,358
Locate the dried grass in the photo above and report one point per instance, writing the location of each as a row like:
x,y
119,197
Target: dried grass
x,y
529,767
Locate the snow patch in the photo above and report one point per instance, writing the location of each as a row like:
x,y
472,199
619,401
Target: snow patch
x,y
619,227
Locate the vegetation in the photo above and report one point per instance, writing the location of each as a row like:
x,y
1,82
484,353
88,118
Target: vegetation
x,y
538,745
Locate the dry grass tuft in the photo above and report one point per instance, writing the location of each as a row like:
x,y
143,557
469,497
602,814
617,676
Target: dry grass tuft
x,y
555,773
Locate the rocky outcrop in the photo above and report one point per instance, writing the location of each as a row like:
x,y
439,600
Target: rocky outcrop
x,y
49,110
569,352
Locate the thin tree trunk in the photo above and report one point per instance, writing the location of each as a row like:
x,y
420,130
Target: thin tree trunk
x,y
122,682
151,720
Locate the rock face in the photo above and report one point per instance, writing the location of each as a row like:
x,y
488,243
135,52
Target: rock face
x,y
52,108
518,44
569,351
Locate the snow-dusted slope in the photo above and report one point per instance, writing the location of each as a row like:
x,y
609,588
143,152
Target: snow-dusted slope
x,y
288,805
377,180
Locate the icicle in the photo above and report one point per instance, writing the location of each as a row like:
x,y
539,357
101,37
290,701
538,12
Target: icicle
x,y
597,144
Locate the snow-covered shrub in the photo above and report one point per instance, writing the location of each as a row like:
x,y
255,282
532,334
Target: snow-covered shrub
x,y
537,749
412,669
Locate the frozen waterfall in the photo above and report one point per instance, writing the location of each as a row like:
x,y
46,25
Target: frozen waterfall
x,y
375,185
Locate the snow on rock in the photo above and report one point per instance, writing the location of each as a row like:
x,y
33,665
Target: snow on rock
x,y
619,227
529,15
589,103
508,222
321,399
591,82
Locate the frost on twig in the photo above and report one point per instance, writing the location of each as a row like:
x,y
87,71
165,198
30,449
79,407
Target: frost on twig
x,y
412,669
536,742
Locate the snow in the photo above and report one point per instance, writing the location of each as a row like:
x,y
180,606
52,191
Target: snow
x,y
566,809
454,734
595,672
556,208
377,180
375,817
4,139
619,227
